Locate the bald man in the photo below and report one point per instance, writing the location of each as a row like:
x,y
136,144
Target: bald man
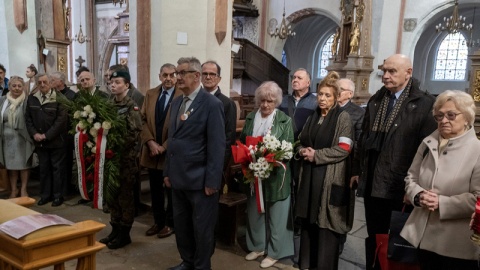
x,y
396,120
87,83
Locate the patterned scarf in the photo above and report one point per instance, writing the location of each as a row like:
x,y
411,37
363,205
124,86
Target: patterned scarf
x,y
383,122
14,102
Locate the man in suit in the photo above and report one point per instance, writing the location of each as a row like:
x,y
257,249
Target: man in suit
x,y
397,118
210,80
153,138
347,90
87,83
194,169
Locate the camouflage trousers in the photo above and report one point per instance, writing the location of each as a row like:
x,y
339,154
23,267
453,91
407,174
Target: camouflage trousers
x,y
122,208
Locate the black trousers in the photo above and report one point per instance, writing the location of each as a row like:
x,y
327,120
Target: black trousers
x,y
433,261
319,248
377,216
195,215
161,216
52,172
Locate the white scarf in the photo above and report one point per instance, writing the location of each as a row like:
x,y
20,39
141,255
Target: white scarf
x,y
262,125
14,102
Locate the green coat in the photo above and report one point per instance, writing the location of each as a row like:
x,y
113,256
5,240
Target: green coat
x,y
282,130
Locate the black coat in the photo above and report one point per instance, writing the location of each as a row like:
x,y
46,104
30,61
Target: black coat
x,y
413,123
49,118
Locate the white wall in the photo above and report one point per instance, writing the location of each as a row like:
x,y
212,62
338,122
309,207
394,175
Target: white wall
x,y
17,50
196,19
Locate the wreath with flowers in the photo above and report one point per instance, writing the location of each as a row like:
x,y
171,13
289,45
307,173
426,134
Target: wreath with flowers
x,y
98,131
258,158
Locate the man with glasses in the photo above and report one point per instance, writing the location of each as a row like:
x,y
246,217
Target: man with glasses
x,y
396,120
210,80
46,121
153,138
196,136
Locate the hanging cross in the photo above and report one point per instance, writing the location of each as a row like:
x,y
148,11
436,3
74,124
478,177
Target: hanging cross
x,y
80,60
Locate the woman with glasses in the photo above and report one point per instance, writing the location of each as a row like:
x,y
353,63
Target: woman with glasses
x,y
16,145
442,183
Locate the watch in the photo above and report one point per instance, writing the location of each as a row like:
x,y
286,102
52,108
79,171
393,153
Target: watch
x,y
416,199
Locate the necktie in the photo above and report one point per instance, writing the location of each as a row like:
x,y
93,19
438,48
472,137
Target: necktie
x,y
391,102
181,111
43,98
159,117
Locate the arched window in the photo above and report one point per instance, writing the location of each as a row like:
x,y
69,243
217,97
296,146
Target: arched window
x,y
324,56
451,60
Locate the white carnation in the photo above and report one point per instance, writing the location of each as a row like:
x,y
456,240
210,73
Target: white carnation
x,y
106,125
97,126
76,114
88,109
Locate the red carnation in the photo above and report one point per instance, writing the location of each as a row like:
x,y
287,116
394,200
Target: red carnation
x,y
109,154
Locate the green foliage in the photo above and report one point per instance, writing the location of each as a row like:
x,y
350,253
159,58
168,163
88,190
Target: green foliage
x,y
88,112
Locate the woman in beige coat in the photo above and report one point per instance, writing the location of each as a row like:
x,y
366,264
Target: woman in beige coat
x,y
442,184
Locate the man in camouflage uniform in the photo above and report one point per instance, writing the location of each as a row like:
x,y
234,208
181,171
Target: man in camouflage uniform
x,y
122,209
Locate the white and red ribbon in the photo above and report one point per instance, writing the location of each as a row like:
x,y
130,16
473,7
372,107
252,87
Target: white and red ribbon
x,y
101,146
81,169
259,195
345,143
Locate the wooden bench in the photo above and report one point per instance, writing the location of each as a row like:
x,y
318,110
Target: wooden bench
x,y
50,246
232,206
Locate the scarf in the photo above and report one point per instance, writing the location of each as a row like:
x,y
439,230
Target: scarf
x,y
383,122
14,103
317,136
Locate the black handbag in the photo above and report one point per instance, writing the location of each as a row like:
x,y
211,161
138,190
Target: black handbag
x,y
398,248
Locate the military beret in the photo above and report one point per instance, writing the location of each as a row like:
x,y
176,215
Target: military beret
x,y
122,74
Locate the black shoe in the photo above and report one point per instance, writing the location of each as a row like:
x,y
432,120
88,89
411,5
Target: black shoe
x,y
122,239
112,235
43,201
57,202
83,201
182,266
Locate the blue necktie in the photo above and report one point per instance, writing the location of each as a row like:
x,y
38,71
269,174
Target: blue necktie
x,y
391,103
159,117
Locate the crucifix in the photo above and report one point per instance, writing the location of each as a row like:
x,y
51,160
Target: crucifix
x,y
80,60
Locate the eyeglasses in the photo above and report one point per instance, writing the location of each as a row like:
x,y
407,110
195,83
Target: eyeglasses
x,y
171,75
212,75
449,115
183,73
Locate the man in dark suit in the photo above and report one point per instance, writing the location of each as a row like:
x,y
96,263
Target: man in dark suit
x,y
194,169
347,90
210,80
153,138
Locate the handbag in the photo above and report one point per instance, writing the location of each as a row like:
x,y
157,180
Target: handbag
x,y
398,248
385,262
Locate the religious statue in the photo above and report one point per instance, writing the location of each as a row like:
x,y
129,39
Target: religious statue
x,y
354,40
336,38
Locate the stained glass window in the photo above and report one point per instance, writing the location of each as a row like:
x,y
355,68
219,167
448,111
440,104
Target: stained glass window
x,y
324,56
284,59
451,61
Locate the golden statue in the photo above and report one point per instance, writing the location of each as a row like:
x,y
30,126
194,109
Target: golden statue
x,y
354,40
336,38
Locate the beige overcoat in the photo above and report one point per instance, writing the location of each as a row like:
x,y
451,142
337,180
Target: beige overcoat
x,y
454,174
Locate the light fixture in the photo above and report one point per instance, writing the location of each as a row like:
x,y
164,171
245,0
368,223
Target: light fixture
x,y
454,23
80,37
471,42
285,29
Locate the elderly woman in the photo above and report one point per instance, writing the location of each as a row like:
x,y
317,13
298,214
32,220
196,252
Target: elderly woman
x,y
325,203
277,195
442,183
16,145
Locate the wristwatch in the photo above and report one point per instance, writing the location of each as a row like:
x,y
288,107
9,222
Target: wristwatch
x,y
416,199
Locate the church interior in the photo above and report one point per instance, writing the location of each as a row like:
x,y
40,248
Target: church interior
x,y
253,41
